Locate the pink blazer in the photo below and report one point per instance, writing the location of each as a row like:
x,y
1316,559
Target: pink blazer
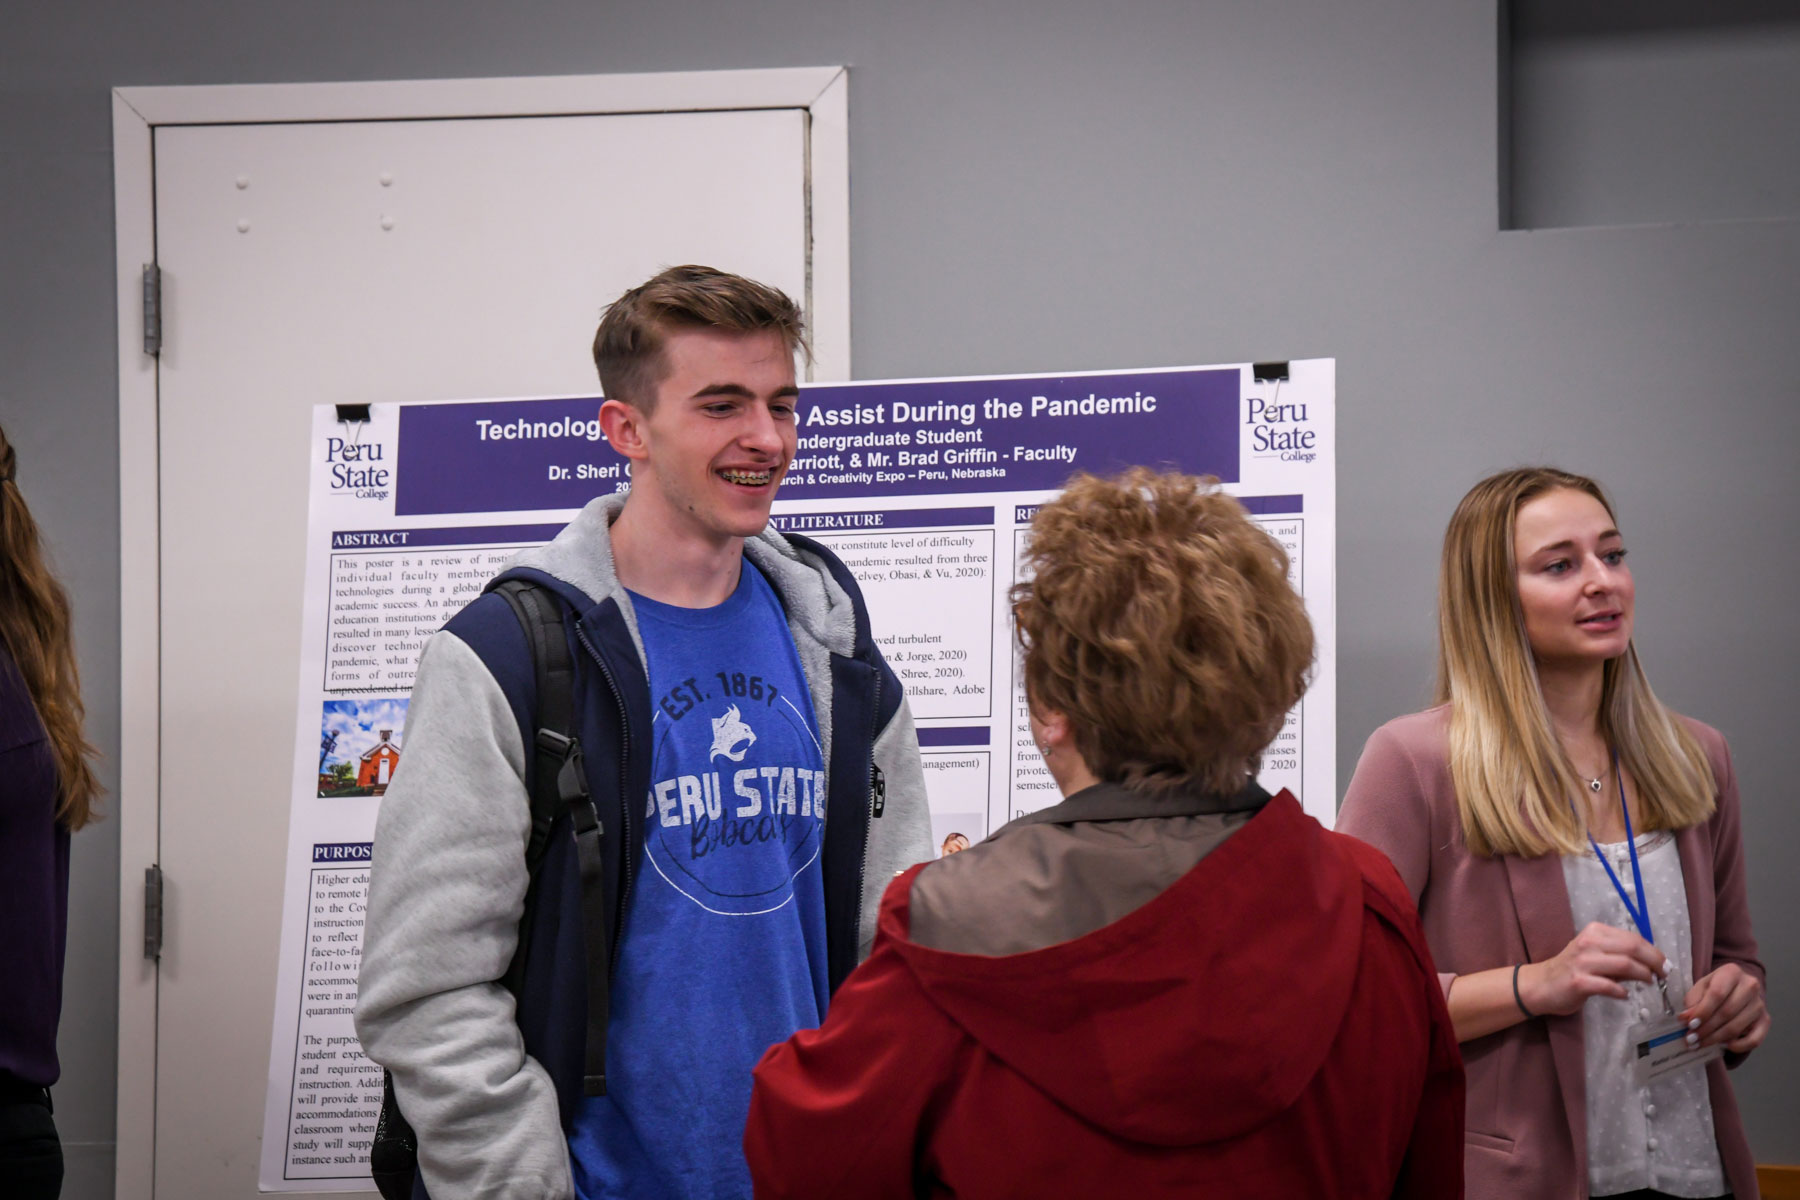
x,y
1526,1131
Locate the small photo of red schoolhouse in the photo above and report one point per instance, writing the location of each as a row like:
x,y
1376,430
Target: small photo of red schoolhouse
x,y
378,764
359,746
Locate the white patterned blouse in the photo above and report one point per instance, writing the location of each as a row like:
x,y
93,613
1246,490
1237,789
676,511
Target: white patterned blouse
x,y
1659,1135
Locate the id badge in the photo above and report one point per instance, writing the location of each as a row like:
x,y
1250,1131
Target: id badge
x,y
1659,1046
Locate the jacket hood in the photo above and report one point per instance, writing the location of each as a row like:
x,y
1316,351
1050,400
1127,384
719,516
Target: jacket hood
x,y
578,562
1195,1018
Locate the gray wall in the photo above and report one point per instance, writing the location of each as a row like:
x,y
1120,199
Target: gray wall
x,y
1051,185
1692,113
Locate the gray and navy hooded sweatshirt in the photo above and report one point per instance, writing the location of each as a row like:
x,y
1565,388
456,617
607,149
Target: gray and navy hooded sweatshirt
x,y
491,1083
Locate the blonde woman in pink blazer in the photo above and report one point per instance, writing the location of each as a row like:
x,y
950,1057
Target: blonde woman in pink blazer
x,y
1547,815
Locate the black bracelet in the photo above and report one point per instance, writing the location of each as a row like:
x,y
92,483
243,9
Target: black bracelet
x,y
1517,999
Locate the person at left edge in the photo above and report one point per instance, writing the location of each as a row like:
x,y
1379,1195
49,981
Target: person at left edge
x,y
754,768
47,790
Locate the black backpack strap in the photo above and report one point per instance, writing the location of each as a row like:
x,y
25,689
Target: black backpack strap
x,y
394,1153
559,784
540,617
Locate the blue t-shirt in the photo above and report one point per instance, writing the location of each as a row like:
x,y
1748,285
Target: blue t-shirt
x,y
723,953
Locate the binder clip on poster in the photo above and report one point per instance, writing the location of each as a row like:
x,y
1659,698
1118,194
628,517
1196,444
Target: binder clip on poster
x,y
354,466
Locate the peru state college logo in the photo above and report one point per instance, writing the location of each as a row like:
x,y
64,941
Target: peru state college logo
x,y
732,737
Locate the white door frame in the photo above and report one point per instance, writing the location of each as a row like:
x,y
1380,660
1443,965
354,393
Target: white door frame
x,y
822,91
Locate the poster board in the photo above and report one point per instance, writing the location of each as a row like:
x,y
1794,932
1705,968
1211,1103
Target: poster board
x,y
925,488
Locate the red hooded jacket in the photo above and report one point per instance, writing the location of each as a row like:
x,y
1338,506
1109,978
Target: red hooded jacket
x,y
1270,1025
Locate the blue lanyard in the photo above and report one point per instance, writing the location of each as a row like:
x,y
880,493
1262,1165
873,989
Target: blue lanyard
x,y
1640,915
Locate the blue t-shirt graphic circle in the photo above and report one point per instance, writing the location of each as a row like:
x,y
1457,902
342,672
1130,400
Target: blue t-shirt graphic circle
x,y
708,833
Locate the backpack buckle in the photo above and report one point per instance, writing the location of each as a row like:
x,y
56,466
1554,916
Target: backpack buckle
x,y
571,776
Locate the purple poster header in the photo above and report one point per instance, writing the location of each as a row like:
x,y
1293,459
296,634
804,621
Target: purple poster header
x,y
1272,506
905,518
339,852
1256,506
969,735
404,539
503,456
1011,435
860,442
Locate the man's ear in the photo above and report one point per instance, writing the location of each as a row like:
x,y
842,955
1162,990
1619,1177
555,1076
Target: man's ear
x,y
623,426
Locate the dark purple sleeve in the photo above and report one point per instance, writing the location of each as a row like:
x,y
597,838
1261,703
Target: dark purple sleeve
x,y
34,890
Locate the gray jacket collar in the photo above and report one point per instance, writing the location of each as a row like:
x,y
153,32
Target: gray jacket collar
x,y
581,555
1116,802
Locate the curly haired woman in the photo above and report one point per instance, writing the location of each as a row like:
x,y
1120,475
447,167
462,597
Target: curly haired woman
x,y
1169,984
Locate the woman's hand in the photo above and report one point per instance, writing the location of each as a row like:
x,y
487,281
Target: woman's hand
x,y
1594,963
1729,1006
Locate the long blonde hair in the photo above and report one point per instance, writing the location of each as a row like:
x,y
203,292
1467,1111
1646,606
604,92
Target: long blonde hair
x,y
34,626
1513,779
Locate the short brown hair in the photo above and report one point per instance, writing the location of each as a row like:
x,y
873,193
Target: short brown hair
x,y
628,346
1160,623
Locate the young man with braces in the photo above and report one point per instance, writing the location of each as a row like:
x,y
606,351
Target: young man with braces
x,y
754,775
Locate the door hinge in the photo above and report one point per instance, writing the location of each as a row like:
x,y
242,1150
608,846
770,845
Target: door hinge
x,y
152,309
153,911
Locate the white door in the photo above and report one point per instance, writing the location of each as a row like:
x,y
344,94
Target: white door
x,y
360,261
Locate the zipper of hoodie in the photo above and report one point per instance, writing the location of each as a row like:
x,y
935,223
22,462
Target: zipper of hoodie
x,y
870,811
626,851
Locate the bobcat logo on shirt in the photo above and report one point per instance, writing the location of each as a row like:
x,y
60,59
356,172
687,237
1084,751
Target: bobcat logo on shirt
x,y
731,737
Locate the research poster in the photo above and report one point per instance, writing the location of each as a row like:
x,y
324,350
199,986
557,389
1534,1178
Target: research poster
x,y
925,488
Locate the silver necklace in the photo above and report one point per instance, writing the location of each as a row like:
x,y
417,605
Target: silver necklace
x,y
1596,783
